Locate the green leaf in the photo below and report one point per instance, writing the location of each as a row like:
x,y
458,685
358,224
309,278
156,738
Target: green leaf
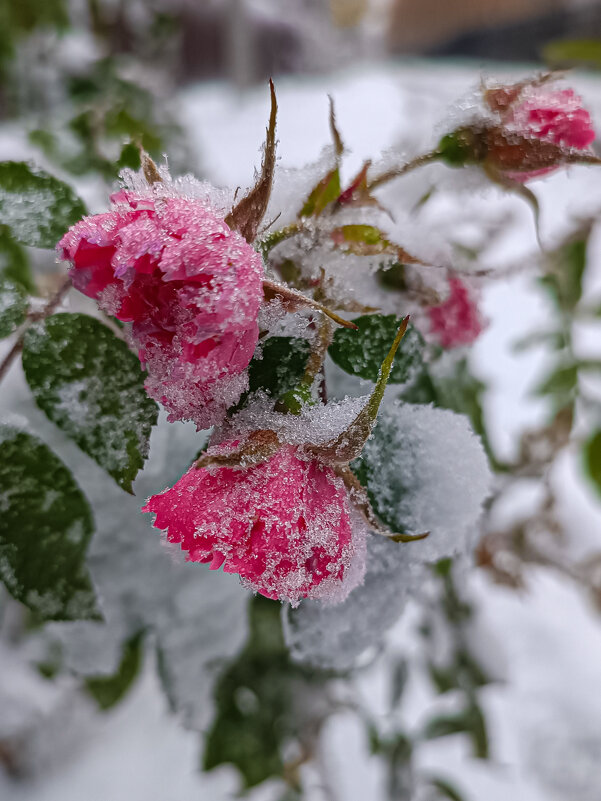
x,y
470,721
255,699
107,691
362,352
37,207
13,306
592,460
130,157
14,263
325,192
445,789
91,386
562,382
564,269
281,367
45,527
367,240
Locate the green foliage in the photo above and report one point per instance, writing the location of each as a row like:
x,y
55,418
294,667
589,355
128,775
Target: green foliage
x,y
108,691
362,352
36,207
14,264
281,367
255,701
13,306
461,672
561,385
18,19
324,193
110,117
469,721
592,459
45,528
445,789
564,53
565,268
91,386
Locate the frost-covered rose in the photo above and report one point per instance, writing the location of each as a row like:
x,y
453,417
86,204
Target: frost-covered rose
x,y
189,285
543,112
285,524
457,320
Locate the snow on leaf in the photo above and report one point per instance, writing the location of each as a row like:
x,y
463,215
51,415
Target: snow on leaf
x,y
425,470
36,207
109,690
13,306
362,352
14,263
336,636
45,526
91,386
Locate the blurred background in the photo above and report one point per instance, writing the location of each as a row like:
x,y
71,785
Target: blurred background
x,y
515,712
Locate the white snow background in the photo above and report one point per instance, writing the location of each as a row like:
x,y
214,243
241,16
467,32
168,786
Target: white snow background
x,y
545,643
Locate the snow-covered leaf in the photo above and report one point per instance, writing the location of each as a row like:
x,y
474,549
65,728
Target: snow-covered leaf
x,y
91,386
13,306
362,352
37,207
14,263
109,690
45,526
425,470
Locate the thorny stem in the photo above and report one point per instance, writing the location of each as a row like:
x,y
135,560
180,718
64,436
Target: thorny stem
x,y
33,317
396,172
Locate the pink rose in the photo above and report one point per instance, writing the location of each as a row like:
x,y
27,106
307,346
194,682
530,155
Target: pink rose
x,y
457,320
283,524
549,114
189,285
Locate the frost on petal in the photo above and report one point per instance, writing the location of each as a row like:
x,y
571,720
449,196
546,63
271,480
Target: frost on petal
x,y
550,114
189,285
284,525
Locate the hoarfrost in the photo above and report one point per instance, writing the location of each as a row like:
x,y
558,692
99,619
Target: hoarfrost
x,y
428,470
196,616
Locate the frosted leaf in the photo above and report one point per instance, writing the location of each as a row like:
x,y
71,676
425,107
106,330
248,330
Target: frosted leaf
x,y
362,352
425,470
45,527
413,487
291,186
13,306
43,722
88,383
198,617
36,207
